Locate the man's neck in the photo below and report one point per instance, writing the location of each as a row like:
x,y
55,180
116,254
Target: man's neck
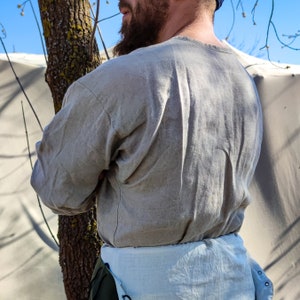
x,y
193,23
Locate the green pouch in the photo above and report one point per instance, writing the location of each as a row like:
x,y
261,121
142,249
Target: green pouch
x,y
103,285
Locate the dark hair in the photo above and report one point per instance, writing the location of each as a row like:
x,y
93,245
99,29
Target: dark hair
x,y
219,4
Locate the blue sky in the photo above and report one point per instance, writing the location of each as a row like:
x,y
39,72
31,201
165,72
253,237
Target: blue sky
x,y
22,34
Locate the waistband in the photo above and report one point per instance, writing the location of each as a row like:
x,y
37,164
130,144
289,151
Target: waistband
x,y
229,239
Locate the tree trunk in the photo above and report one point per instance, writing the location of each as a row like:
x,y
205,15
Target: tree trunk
x,y
68,34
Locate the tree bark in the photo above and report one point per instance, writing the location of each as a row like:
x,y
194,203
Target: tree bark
x,y
68,34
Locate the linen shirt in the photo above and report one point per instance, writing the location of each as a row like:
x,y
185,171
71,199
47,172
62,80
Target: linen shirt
x,y
176,130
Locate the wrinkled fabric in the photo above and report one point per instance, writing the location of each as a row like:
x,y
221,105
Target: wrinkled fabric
x,y
175,130
263,285
212,269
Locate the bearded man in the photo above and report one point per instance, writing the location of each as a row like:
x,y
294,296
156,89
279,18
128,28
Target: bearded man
x,y
167,137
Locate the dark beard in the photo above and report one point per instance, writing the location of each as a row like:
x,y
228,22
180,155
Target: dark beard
x,y
146,22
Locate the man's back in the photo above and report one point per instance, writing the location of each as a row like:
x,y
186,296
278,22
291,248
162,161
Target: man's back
x,y
184,139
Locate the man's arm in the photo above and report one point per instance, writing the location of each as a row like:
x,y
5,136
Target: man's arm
x,y
75,149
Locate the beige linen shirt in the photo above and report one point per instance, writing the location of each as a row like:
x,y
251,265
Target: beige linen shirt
x,y
177,129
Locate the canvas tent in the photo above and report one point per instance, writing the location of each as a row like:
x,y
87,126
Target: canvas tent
x,y
28,254
272,227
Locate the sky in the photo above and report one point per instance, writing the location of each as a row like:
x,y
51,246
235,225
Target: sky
x,y
20,33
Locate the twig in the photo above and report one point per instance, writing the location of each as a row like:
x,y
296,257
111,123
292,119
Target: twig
x,y
99,32
268,31
20,84
94,27
22,6
253,12
25,126
31,164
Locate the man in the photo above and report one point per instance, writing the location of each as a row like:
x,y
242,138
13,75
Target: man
x,y
167,137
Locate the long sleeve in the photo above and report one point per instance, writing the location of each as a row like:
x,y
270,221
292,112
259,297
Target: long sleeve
x,y
75,149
